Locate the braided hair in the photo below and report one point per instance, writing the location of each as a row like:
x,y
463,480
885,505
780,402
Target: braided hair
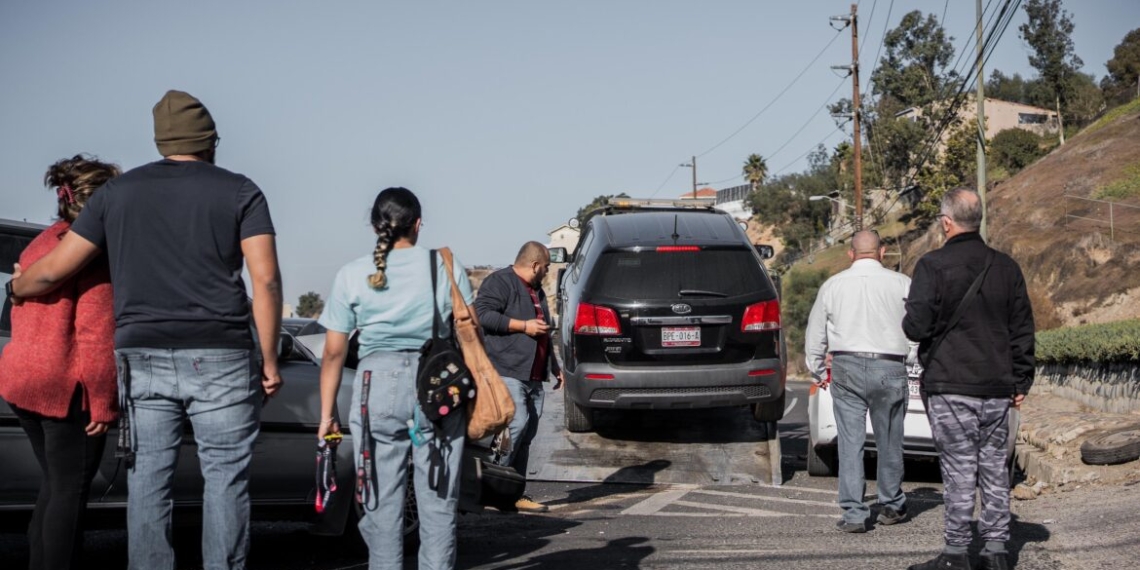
x,y
75,179
394,216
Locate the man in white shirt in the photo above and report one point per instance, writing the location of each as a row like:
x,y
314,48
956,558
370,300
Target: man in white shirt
x,y
857,321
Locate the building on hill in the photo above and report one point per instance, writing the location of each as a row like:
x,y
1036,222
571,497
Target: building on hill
x,y
563,236
703,193
1000,116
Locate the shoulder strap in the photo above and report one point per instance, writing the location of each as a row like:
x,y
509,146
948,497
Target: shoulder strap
x,y
962,305
437,320
458,305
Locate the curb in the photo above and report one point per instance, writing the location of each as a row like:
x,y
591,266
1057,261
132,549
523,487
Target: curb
x,y
1050,436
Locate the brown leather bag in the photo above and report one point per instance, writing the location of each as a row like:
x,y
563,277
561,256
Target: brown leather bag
x,y
493,408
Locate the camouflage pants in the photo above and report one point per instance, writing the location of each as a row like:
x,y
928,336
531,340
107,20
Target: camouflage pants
x,y
971,435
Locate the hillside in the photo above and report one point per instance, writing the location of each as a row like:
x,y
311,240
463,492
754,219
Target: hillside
x,y
1078,270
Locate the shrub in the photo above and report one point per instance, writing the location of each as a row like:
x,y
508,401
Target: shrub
x,y
1108,342
1015,149
799,289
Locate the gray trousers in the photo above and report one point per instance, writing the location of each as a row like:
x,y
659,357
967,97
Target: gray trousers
x,y
971,435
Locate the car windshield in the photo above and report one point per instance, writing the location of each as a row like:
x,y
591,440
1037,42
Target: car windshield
x,y
673,275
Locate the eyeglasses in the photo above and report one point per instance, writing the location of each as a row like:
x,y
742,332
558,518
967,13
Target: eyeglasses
x,y
217,140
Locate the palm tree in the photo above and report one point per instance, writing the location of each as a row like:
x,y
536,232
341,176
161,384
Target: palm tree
x,y
755,170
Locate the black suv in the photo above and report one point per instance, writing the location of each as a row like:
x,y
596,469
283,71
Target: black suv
x,y
668,306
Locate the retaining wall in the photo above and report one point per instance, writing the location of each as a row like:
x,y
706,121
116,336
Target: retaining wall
x,y
1112,387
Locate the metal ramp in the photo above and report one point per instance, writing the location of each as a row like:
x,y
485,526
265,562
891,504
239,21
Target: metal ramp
x,y
700,447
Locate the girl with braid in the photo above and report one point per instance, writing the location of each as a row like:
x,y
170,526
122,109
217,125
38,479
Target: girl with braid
x,y
388,300
58,373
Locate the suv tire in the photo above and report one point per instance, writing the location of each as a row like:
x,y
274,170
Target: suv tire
x,y
823,463
578,419
769,411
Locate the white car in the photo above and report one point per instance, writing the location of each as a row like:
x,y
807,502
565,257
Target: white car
x,y
823,437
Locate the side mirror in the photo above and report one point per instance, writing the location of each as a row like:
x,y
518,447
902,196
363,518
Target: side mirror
x,y
285,347
559,255
765,251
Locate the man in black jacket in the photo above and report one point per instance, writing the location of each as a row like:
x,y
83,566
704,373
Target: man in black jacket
x,y
512,309
973,376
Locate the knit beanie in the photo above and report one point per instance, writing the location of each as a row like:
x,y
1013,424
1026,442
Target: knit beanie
x,y
182,125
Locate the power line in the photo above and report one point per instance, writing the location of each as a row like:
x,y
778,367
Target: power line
x,y
667,179
810,119
773,101
1005,17
838,129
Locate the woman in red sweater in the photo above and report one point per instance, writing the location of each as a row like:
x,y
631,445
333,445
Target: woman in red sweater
x,y
58,374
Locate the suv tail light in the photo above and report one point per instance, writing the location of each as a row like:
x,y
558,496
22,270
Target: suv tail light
x,y
763,316
592,319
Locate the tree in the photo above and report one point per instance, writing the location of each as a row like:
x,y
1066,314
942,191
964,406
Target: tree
x,y
913,70
1014,149
755,170
310,305
1123,79
1049,32
584,211
955,166
1085,100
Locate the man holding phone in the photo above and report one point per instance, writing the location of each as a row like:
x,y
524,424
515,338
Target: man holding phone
x,y
511,307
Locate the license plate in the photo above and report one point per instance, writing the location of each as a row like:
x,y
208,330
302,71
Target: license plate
x,y
680,336
913,385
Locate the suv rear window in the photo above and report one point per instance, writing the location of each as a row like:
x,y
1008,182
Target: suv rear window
x,y
662,275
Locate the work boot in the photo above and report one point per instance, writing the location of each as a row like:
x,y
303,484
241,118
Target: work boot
x,y
994,561
853,527
945,562
890,516
528,505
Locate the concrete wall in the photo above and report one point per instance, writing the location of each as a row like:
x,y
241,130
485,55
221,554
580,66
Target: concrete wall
x,y
1113,387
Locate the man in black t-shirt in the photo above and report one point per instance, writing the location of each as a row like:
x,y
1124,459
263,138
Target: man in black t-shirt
x,y
176,233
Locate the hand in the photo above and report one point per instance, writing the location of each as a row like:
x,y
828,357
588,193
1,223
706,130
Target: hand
x,y
16,273
328,426
96,428
1017,400
535,328
271,381
559,380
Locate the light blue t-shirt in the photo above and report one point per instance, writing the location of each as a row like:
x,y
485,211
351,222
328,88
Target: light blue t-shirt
x,y
399,316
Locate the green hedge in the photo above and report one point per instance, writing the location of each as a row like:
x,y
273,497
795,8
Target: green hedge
x,y
1109,342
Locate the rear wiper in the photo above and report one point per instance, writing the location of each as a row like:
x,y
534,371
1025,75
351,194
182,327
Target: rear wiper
x,y
702,292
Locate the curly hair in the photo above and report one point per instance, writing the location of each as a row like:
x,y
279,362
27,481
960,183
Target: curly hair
x,y
394,216
75,179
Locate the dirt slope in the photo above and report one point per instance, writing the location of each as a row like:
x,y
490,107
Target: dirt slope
x,y
1078,270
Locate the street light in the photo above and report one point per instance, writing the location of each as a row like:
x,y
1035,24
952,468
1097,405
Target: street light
x,y
840,202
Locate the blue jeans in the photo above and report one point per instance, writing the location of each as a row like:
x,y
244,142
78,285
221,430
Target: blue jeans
x,y
219,390
391,403
528,397
860,385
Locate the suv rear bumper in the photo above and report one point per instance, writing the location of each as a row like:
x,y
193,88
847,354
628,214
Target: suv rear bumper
x,y
675,387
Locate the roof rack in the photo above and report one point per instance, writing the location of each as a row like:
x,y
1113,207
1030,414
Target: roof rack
x,y
661,203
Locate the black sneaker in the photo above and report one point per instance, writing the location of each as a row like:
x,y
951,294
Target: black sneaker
x,y
853,527
890,516
994,561
945,562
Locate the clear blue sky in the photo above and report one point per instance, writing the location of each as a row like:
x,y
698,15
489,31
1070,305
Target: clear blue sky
x,y
504,117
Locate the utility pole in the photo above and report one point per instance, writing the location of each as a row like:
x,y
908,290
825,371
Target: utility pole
x,y
853,69
855,112
693,165
981,125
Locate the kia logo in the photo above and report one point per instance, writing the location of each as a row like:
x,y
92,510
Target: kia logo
x,y
682,309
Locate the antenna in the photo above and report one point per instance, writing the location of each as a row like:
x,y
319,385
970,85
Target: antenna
x,y
675,234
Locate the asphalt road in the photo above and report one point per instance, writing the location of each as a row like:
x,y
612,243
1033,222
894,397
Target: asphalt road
x,y
631,521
